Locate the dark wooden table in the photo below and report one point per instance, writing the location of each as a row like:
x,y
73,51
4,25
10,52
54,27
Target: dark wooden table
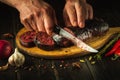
x,y
62,69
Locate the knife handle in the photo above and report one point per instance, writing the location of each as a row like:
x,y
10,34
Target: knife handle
x,y
56,29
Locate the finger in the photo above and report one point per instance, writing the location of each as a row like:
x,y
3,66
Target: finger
x,y
87,13
26,24
32,22
66,19
40,23
90,12
49,22
72,16
80,15
34,25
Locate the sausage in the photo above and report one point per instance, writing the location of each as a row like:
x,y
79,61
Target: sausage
x,y
61,41
92,28
27,39
44,41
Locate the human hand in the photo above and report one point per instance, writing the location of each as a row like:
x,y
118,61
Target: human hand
x,y
76,12
37,15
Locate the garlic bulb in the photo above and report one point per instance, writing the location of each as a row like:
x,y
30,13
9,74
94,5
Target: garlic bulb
x,y
16,59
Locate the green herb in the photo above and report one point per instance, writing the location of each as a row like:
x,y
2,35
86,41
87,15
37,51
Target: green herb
x,y
103,50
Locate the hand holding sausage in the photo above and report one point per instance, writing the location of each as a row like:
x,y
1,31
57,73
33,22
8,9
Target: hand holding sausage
x,y
76,12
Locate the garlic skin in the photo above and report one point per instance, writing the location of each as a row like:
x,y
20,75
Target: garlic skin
x,y
16,59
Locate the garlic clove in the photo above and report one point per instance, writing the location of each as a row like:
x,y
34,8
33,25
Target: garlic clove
x,y
11,61
17,59
21,58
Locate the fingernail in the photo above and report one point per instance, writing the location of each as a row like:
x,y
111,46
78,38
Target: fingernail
x,y
74,23
81,25
50,32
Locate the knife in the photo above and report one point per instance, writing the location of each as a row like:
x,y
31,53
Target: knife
x,y
79,43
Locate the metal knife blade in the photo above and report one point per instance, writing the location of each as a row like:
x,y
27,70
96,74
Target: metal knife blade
x,y
79,43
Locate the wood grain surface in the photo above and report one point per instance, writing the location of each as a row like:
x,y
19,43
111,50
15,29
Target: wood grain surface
x,y
73,51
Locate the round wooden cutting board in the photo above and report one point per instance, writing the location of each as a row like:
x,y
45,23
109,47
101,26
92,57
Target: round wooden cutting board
x,y
72,51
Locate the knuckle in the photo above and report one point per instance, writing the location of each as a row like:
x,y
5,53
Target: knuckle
x,y
47,10
36,14
30,16
23,20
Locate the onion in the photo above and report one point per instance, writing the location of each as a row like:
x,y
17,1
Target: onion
x,y
5,49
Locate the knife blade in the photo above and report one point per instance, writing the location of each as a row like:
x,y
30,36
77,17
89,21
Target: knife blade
x,y
79,43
